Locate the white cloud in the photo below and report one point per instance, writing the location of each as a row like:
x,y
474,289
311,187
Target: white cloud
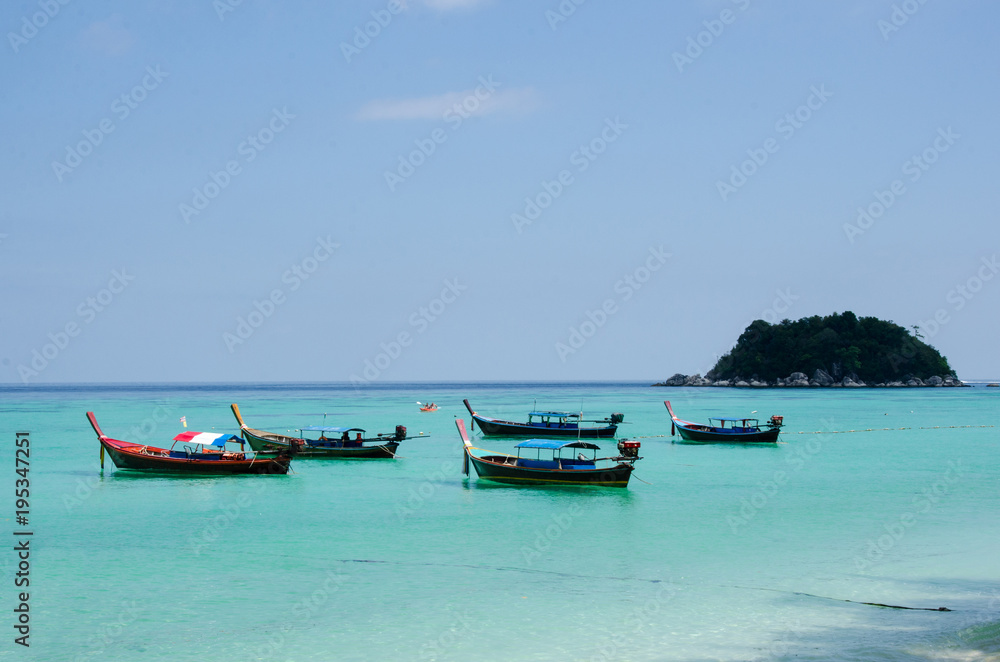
x,y
515,100
109,36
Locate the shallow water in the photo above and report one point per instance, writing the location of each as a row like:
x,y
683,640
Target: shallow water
x,y
719,552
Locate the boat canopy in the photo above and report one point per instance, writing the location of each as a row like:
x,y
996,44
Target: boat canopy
x,y
556,444
206,438
733,418
554,413
324,428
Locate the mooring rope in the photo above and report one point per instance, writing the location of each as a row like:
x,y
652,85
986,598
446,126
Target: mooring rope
x,y
932,427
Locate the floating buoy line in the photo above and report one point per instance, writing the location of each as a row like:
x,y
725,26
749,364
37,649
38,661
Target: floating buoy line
x,y
932,427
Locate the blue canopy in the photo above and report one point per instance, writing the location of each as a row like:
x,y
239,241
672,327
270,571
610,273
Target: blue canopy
x,y
206,438
734,418
324,428
553,413
555,444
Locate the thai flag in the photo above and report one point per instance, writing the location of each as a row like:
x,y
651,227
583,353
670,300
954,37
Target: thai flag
x,y
184,421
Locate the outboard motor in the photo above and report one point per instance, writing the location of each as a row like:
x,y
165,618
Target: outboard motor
x,y
617,418
629,449
400,432
776,421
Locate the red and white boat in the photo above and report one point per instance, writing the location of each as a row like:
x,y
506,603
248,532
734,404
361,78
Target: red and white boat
x,y
199,453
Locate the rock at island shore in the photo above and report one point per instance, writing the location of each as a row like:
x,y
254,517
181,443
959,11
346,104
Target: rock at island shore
x,y
822,377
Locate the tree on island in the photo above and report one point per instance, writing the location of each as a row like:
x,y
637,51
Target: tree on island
x,y
869,349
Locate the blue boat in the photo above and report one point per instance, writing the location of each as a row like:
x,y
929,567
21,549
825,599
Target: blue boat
x,y
546,424
553,469
726,429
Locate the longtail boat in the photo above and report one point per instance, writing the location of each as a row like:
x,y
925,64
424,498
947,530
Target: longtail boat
x,y
555,469
546,424
726,429
332,441
199,453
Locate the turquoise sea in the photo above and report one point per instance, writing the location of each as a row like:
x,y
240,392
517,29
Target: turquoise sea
x,y
718,553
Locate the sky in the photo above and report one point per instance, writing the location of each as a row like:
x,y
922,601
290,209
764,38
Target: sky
x,y
486,190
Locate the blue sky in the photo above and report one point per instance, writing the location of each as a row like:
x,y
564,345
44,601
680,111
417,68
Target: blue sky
x,y
486,190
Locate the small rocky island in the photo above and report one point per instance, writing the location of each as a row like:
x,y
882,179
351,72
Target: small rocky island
x,y
839,350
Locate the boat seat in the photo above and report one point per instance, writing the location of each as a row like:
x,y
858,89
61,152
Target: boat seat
x,y
538,464
578,464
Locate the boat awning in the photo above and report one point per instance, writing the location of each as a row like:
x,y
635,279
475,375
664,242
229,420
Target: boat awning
x,y
733,418
206,438
553,413
324,428
556,444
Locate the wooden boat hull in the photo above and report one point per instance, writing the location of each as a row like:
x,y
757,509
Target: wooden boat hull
x,y
516,471
492,427
497,471
495,428
707,436
305,448
139,458
704,434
